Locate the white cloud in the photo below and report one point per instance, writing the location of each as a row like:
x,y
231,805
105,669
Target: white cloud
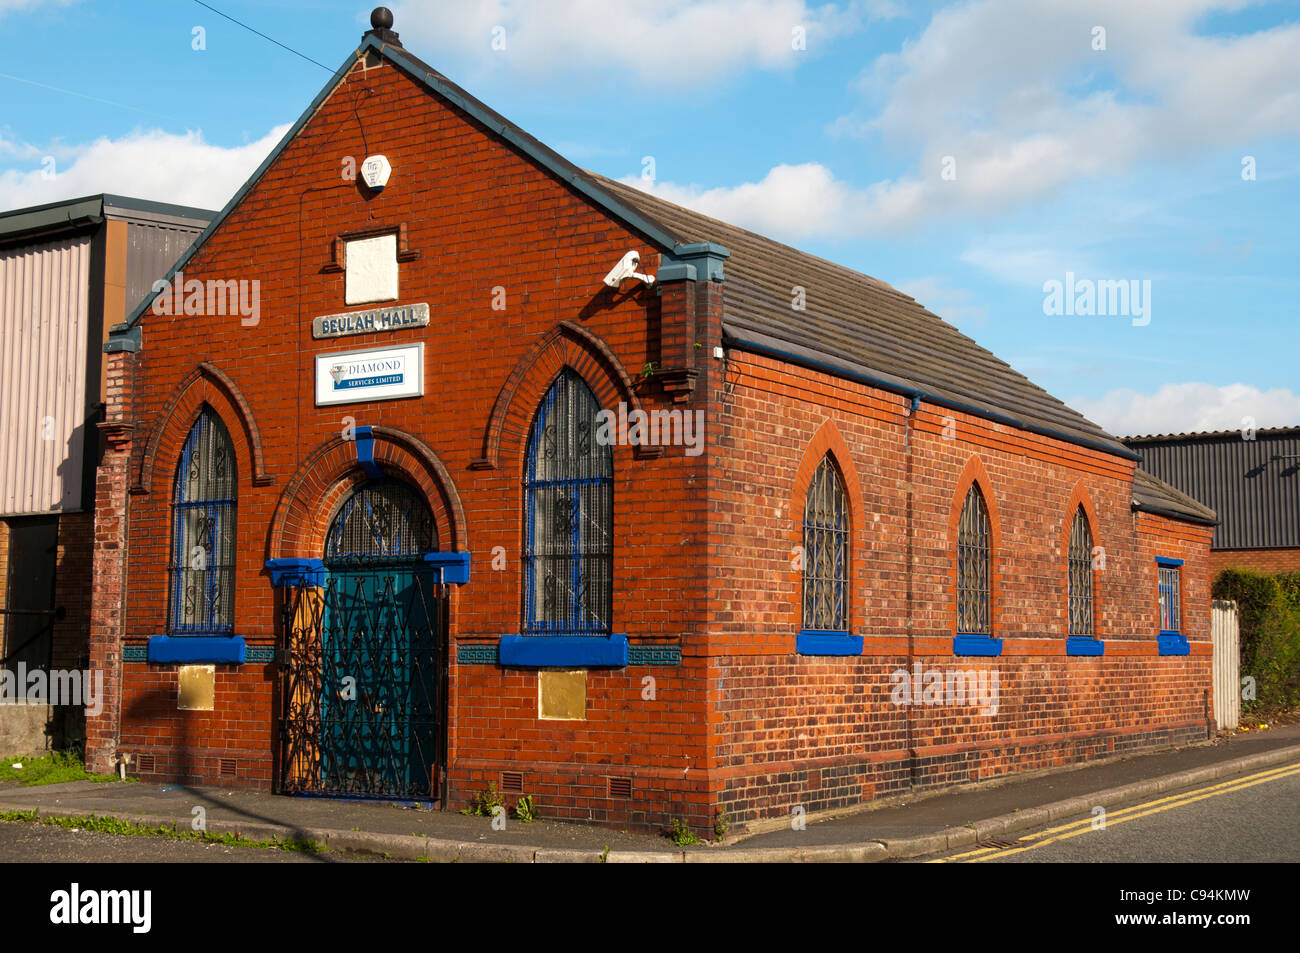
x,y
952,304
1014,92
1190,407
182,169
1011,96
670,43
1027,259
790,202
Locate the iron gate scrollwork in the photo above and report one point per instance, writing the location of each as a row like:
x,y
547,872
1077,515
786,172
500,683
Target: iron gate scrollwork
x,y
365,663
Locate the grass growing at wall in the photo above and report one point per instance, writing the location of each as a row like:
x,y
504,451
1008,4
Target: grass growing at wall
x,y
1268,612
114,825
54,768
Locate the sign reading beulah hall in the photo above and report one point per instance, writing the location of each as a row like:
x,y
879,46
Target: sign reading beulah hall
x,y
366,322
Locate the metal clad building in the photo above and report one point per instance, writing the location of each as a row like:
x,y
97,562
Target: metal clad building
x,y
69,271
1253,485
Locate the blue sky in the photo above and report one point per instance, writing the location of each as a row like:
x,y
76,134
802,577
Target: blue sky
x,y
967,153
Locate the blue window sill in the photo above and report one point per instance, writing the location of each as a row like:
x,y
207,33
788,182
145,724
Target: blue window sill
x,y
816,642
1079,645
976,645
563,651
218,649
1173,643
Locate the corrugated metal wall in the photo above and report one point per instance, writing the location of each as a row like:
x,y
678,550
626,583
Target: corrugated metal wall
x,y
1253,485
43,315
152,249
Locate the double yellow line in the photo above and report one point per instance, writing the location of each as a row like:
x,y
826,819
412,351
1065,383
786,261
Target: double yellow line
x,y
1075,828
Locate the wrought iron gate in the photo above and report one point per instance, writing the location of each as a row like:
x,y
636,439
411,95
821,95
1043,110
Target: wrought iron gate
x,y
364,676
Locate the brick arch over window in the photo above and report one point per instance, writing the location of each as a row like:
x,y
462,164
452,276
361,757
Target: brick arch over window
x,y
974,474
206,384
331,471
1079,498
827,440
565,345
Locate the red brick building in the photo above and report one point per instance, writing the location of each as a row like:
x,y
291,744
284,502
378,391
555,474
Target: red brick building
x,y
661,549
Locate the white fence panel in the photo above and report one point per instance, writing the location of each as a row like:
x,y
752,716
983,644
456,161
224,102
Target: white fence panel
x,y
1227,664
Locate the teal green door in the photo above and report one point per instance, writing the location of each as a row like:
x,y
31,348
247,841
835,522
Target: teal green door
x,y
364,684
379,680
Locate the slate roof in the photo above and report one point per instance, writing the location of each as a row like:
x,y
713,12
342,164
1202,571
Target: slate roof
x,y
857,324
1153,495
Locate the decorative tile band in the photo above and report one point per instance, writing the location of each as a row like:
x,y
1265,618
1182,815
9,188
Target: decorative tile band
x,y
476,654
636,654
258,654
654,655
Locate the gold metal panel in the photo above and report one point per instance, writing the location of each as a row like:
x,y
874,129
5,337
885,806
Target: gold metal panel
x,y
562,696
196,687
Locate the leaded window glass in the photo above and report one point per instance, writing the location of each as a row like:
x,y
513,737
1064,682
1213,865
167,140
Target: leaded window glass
x,y
1080,569
1169,596
569,522
826,552
203,531
974,576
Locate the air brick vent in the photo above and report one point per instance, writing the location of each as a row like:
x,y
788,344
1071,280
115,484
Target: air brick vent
x,y
144,764
226,767
512,782
620,787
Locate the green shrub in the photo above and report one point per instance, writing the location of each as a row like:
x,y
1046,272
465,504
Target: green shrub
x,y
1268,613
1289,583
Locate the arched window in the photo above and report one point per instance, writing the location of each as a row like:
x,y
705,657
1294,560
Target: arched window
x,y
1080,560
569,528
974,576
203,531
381,520
826,552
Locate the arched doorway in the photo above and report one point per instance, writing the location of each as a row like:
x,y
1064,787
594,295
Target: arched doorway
x,y
365,694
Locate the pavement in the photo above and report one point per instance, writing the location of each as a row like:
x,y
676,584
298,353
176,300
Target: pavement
x,y
890,829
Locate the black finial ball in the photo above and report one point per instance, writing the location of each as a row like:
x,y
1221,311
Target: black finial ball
x,y
381,18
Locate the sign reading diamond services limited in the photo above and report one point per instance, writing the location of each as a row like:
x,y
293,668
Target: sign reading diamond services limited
x,y
370,320
357,376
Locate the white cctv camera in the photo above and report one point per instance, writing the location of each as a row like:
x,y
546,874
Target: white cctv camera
x,y
626,268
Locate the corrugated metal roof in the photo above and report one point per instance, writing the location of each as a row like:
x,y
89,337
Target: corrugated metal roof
x,y
1253,485
1166,437
28,224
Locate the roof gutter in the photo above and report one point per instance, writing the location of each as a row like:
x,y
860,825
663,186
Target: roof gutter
x,y
762,344
51,221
